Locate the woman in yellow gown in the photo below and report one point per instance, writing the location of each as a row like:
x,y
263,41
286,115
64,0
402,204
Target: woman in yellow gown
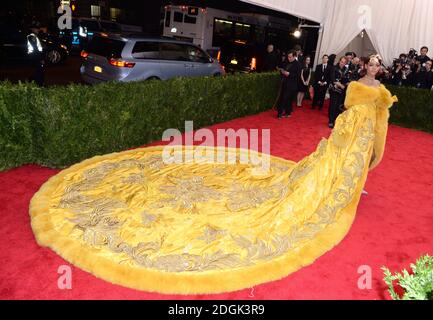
x,y
189,228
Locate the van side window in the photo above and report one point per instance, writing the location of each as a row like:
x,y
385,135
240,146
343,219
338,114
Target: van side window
x,y
197,55
173,51
146,50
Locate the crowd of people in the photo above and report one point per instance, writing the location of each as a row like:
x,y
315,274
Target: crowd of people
x,y
411,69
333,77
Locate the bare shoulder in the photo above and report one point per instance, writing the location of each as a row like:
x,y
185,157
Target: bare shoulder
x,y
362,80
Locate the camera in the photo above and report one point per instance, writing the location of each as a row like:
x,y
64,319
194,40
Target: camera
x,y
412,54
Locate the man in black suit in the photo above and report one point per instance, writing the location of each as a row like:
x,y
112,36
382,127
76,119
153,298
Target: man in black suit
x,y
423,57
290,73
322,77
339,82
427,76
270,60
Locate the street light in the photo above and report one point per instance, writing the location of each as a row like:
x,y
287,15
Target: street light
x,y
297,33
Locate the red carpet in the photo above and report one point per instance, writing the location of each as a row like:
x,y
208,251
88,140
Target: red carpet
x,y
393,226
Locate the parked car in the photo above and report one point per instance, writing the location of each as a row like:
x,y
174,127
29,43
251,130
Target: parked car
x,y
83,30
240,56
20,45
134,57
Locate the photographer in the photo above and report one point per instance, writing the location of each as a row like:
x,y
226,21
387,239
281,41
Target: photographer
x,y
401,70
425,76
337,89
423,58
356,69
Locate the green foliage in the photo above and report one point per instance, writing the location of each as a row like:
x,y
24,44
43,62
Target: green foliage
x,y
418,285
414,109
59,126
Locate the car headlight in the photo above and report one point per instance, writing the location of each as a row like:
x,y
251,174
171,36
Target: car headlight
x,y
63,46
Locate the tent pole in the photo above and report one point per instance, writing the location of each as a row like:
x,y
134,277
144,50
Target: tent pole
x,y
319,46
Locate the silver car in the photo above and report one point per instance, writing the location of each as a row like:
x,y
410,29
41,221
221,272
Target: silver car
x,y
133,58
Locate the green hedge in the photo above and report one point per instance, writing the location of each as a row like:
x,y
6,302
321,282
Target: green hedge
x,y
59,126
414,108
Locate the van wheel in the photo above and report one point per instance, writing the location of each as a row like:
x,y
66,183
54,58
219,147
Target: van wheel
x,y
153,78
217,74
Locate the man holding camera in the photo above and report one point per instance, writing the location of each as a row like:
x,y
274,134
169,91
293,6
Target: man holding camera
x,y
337,90
400,71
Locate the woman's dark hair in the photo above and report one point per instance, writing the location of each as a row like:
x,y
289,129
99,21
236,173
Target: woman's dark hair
x,y
292,52
366,60
331,60
305,61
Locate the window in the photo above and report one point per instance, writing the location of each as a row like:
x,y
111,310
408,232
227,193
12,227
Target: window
x,y
197,55
242,31
178,17
222,31
115,13
106,47
168,18
146,50
188,19
95,11
193,11
174,51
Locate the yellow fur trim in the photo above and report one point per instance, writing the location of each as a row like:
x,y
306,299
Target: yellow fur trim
x,y
181,283
383,103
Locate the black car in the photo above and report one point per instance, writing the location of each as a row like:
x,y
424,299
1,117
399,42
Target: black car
x,y
240,56
20,45
83,30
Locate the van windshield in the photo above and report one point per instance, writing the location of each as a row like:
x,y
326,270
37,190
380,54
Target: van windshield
x,y
106,47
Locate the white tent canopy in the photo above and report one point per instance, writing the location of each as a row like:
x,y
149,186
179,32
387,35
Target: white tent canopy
x,y
393,26
312,10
